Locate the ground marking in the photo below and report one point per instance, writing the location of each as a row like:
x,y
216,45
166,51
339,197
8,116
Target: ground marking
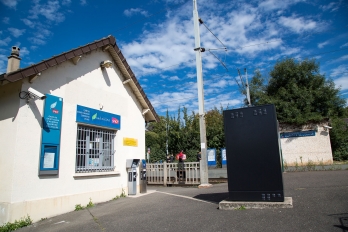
x,y
191,198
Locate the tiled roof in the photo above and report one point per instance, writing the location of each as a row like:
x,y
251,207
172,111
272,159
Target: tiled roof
x,y
109,44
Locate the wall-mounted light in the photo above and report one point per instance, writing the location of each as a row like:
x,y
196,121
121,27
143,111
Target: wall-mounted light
x,y
106,64
145,111
33,78
76,59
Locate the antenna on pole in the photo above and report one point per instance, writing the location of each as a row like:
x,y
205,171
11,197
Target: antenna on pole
x,y
204,161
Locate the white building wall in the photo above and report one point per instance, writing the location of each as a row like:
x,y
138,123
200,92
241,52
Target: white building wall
x,y
300,151
83,84
9,103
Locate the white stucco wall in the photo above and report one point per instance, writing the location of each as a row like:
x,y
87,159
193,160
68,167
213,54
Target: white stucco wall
x,y
307,150
9,103
83,84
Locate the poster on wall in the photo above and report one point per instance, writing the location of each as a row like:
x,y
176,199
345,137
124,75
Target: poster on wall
x,y
211,157
48,160
223,157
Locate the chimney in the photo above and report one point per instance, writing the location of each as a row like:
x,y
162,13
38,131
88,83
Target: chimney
x,y
13,60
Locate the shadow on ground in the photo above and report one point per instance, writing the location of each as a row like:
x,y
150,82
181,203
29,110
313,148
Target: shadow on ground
x,y
213,197
343,220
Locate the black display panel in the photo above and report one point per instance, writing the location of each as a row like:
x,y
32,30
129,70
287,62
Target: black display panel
x,y
253,155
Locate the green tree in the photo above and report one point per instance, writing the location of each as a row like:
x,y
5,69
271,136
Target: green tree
x,y
215,131
339,139
300,93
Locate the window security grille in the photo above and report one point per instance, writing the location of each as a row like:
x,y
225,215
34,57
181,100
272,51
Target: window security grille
x,y
94,149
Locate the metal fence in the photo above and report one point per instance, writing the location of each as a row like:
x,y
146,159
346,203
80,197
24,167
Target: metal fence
x,y
173,173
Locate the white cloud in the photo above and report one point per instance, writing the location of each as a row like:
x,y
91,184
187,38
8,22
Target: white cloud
x,y
66,2
332,6
174,1
321,45
37,41
3,63
167,45
10,3
29,23
24,52
4,42
134,11
174,78
50,11
344,45
6,20
83,2
172,101
340,59
270,5
16,32
43,34
298,24
341,69
342,82
225,100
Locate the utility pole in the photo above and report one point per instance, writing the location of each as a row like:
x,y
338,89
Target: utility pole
x,y
198,49
247,87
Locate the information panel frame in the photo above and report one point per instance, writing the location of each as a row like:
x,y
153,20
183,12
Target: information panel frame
x,y
252,149
50,137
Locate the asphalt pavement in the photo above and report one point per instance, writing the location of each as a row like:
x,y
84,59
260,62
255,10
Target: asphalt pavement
x,y
320,203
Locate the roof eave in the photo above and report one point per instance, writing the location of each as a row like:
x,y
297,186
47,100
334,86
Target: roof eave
x,y
33,70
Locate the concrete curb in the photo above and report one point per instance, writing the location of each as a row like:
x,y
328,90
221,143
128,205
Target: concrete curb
x,y
233,205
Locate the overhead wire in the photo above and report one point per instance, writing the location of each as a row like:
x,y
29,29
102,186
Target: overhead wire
x,y
222,63
201,21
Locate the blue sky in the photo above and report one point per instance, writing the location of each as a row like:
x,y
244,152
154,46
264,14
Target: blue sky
x,y
156,37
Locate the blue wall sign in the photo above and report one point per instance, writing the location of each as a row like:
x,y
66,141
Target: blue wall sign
x,y
50,139
297,134
97,118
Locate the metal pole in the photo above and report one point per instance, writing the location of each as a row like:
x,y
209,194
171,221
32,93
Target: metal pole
x,y
204,162
247,87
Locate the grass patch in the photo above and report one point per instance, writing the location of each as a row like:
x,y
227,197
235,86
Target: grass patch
x,y
11,226
123,194
79,207
90,203
242,207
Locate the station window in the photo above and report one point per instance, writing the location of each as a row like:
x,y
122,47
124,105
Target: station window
x,y
94,149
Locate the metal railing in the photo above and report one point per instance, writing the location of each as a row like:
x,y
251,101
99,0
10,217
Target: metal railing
x,y
173,173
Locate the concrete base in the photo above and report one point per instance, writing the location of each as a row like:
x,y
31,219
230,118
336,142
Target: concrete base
x,y
205,185
229,205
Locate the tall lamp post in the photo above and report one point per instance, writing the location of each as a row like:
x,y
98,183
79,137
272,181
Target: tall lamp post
x,y
198,49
